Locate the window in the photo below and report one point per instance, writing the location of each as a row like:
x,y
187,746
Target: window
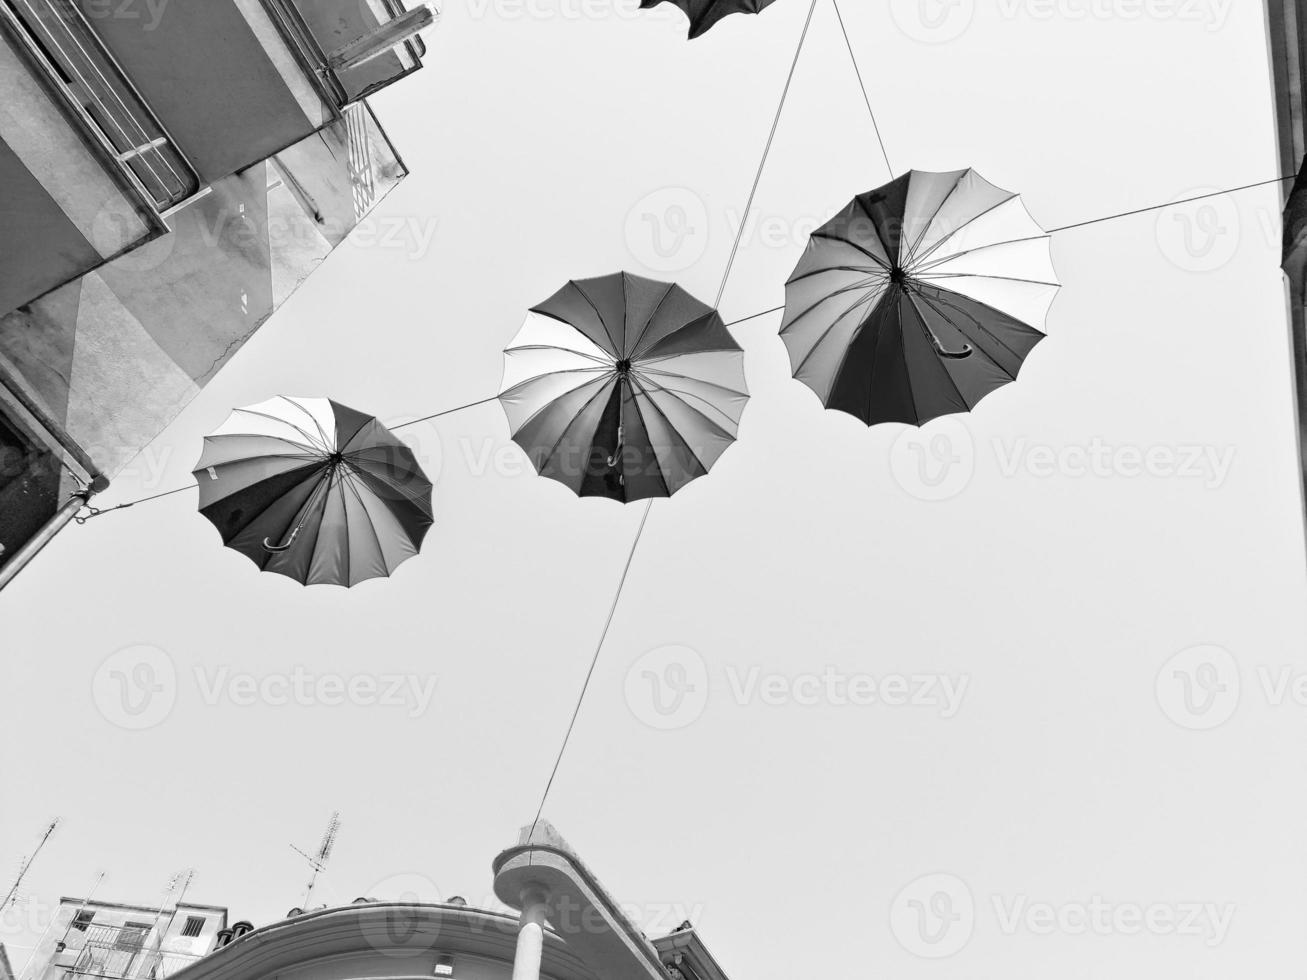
x,y
194,925
132,935
83,919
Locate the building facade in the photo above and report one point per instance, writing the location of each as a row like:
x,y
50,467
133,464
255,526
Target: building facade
x,y
1287,38
556,922
170,172
90,940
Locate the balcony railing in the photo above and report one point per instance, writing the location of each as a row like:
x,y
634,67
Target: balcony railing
x,y
60,37
122,953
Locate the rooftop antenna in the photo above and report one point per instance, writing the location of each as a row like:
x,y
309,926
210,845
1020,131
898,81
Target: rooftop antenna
x,y
318,860
62,943
26,864
177,884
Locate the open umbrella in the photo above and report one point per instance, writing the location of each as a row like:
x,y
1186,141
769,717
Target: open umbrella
x,y
313,490
623,387
704,14
919,298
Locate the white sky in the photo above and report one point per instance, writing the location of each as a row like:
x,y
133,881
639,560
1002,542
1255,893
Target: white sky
x,y
786,830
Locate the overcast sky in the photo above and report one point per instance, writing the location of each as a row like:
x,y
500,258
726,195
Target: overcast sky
x,y
1002,692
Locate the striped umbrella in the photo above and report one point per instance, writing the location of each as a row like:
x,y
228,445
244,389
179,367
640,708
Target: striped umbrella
x,y
623,387
315,491
704,14
919,298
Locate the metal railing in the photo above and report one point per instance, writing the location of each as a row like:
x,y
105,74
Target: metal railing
x,y
119,953
88,73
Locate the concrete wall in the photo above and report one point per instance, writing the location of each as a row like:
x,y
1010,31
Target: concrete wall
x,y
63,211
218,75
116,355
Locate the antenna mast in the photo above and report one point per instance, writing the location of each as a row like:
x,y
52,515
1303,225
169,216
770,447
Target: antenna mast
x,y
318,861
26,864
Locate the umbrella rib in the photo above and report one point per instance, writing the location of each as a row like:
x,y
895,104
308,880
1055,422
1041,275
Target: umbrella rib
x,y
565,350
681,396
603,321
936,306
416,499
827,332
970,221
699,320
273,418
639,412
567,428
673,430
947,373
836,268
553,401
689,377
931,276
912,253
870,287
264,510
836,238
883,244
327,441
918,269
381,552
635,343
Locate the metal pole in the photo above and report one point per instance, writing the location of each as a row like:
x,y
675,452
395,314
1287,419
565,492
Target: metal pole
x,y
24,555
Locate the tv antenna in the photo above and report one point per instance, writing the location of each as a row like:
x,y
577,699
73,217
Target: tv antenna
x,y
318,860
26,864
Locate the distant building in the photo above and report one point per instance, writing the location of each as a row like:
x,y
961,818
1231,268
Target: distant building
x,y
169,174
91,940
1287,34
561,924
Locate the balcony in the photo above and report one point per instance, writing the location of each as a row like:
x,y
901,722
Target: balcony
x,y
122,953
320,29
58,38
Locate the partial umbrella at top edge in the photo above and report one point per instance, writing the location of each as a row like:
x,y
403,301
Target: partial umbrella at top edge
x,y
919,299
704,14
623,387
315,491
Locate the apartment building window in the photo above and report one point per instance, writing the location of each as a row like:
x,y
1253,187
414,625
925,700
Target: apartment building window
x,y
132,936
82,919
59,32
194,925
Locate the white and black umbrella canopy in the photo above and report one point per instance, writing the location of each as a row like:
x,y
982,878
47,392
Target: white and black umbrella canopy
x,y
315,491
919,298
624,387
704,14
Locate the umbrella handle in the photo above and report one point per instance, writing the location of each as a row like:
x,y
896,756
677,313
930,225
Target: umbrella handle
x,y
280,549
957,355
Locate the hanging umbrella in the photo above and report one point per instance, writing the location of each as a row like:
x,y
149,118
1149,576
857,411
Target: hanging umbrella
x,y
623,387
704,14
919,299
313,490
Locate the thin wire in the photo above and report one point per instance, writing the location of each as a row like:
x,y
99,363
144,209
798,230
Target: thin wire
x,y
94,512
594,662
448,411
1171,204
863,85
766,153
756,316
